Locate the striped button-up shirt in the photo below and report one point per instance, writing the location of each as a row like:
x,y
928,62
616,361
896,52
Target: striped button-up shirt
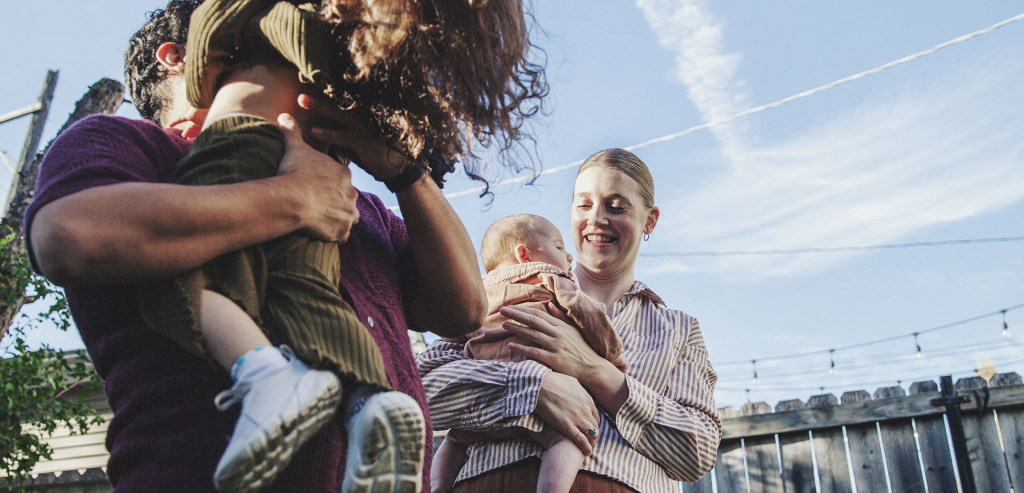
x,y
668,429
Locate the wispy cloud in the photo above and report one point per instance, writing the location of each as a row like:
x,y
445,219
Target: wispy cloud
x,y
696,38
874,174
942,152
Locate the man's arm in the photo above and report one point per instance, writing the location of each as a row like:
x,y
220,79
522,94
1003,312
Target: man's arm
x,y
131,231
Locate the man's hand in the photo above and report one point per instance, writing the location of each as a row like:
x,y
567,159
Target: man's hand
x,y
353,135
325,186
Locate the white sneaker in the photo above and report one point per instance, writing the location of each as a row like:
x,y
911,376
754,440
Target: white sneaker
x,y
385,445
279,413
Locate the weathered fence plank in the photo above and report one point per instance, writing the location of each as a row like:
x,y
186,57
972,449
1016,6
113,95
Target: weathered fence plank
x,y
1011,423
934,442
865,449
797,462
729,472
763,465
901,458
830,454
938,462
983,447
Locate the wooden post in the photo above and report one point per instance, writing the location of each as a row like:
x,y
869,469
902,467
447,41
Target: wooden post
x,y
35,130
956,430
105,96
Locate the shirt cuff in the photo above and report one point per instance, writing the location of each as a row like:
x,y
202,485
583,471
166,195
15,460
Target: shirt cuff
x,y
637,412
523,386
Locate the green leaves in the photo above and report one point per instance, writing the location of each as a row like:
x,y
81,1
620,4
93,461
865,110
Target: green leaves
x,y
43,388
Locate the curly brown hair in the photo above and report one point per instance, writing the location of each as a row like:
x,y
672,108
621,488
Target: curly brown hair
x,y
441,76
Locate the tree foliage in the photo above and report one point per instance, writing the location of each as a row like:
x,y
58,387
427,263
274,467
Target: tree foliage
x,y
42,388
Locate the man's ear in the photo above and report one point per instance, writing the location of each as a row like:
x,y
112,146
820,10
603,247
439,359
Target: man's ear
x,y
172,57
522,253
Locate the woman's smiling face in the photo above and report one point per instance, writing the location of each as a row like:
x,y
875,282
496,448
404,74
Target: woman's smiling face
x,y
609,218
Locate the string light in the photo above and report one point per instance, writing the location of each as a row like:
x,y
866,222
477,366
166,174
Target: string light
x,y
918,345
831,362
753,366
1006,328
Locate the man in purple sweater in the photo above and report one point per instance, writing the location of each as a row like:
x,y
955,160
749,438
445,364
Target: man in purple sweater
x,y
105,217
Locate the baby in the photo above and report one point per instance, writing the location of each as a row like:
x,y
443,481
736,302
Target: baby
x,y
405,71
527,265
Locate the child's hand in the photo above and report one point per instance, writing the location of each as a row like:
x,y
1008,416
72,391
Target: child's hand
x,y
352,132
321,185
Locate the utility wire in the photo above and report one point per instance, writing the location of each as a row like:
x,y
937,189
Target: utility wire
x,y
876,341
845,385
757,109
834,249
766,371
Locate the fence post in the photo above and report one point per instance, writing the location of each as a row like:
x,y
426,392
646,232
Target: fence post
x,y
952,402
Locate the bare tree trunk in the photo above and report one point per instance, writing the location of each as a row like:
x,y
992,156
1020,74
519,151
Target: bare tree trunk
x,y
103,97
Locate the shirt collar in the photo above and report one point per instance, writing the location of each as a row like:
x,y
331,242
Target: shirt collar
x,y
641,289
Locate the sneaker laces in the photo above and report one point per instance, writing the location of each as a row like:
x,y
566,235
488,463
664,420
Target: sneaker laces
x,y
232,396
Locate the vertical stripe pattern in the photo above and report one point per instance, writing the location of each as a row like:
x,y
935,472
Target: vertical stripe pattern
x,y
668,430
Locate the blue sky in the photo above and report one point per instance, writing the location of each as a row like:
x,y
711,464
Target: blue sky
x,y
925,151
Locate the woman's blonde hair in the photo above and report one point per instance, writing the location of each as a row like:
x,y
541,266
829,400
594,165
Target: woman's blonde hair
x,y
440,75
627,163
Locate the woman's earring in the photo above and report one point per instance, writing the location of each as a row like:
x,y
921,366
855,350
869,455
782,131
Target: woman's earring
x,y
647,236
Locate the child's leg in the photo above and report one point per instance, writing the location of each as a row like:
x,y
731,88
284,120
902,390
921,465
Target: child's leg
x,y
229,332
561,461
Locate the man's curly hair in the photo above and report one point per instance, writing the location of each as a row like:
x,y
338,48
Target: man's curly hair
x,y
441,75
143,74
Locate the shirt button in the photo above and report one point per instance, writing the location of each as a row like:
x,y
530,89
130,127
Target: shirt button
x,y
369,321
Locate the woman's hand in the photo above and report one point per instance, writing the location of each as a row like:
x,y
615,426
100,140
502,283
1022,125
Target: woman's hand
x,y
557,345
566,406
561,347
351,135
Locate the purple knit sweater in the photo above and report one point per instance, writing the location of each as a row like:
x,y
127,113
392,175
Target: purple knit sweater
x,y
166,434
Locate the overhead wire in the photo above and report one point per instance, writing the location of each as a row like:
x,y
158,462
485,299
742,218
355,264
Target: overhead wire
x,y
756,109
850,385
872,359
916,244
874,341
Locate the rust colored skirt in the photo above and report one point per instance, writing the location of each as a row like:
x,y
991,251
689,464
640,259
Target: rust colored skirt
x,y
521,477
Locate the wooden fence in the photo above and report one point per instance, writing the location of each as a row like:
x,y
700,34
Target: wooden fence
x,y
889,441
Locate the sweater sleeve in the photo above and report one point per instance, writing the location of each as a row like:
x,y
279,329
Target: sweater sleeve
x,y
479,395
678,428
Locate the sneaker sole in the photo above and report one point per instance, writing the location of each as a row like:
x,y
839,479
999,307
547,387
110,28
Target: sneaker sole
x,y
248,474
398,431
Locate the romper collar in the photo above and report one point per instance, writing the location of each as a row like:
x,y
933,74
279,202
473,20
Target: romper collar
x,y
508,274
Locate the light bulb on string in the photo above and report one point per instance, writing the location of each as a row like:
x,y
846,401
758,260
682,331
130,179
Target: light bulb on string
x,y
831,362
1006,328
920,354
753,367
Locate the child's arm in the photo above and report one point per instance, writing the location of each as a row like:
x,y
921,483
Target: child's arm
x,y
227,330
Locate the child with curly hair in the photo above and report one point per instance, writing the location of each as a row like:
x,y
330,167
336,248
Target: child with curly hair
x,y
433,78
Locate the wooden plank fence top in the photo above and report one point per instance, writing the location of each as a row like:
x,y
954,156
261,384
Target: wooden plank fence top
x,y
855,407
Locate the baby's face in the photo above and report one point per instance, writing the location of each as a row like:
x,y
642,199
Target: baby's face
x,y
547,246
